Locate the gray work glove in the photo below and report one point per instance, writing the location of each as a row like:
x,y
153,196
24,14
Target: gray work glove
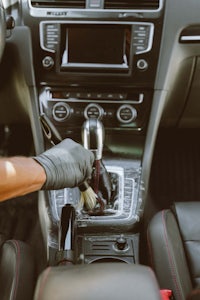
x,y
66,165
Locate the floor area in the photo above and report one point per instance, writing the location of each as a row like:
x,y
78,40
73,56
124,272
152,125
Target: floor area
x,y
175,174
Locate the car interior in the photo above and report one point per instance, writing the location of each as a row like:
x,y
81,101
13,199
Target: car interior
x,y
123,78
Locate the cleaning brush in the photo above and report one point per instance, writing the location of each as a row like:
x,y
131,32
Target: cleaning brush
x,y
93,138
88,198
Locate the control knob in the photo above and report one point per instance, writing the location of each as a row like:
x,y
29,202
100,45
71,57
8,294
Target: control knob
x,y
48,62
61,111
93,110
142,64
126,113
121,243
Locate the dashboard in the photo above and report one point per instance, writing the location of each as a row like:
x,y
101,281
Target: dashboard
x,y
123,63
99,62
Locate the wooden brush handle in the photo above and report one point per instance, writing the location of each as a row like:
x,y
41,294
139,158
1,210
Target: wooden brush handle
x,y
83,186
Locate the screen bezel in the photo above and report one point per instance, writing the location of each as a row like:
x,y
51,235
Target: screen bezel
x,y
99,67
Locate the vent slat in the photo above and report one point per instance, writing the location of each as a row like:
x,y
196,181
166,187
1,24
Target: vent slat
x,y
58,3
108,4
131,4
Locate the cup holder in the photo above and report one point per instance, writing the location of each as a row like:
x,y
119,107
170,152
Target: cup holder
x,y
108,260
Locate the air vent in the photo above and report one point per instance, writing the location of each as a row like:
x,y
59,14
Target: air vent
x,y
59,3
132,4
108,4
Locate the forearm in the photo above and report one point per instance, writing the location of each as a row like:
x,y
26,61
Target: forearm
x,y
19,176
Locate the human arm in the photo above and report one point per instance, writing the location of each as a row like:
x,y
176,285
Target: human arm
x,y
19,176
67,164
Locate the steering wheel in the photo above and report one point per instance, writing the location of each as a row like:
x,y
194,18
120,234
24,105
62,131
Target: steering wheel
x,y
2,29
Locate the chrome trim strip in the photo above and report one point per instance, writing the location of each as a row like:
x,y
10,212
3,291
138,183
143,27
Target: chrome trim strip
x,y
75,100
189,38
64,12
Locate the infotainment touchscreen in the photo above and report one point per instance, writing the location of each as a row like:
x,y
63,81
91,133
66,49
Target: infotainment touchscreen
x,y
96,46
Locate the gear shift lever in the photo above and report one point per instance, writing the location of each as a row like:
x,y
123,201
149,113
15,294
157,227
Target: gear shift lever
x,y
93,139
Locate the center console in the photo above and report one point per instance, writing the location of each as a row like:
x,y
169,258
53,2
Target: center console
x,y
98,59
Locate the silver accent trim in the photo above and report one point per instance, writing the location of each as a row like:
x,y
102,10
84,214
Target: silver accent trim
x,y
66,113
189,38
68,12
97,106
144,65
133,114
150,38
97,128
47,96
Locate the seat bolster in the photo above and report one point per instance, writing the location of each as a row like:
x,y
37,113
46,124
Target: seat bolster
x,y
187,214
167,254
98,281
16,271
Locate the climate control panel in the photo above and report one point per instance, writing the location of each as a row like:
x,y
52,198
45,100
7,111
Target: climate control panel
x,y
124,109
62,111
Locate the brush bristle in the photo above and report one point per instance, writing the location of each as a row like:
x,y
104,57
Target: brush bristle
x,y
89,198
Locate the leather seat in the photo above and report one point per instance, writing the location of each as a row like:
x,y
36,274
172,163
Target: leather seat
x,y
16,271
98,281
174,246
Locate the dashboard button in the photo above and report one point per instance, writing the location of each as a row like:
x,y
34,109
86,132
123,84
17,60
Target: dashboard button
x,y
48,62
142,64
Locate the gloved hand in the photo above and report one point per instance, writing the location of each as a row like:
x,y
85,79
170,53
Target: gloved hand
x,y
66,165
